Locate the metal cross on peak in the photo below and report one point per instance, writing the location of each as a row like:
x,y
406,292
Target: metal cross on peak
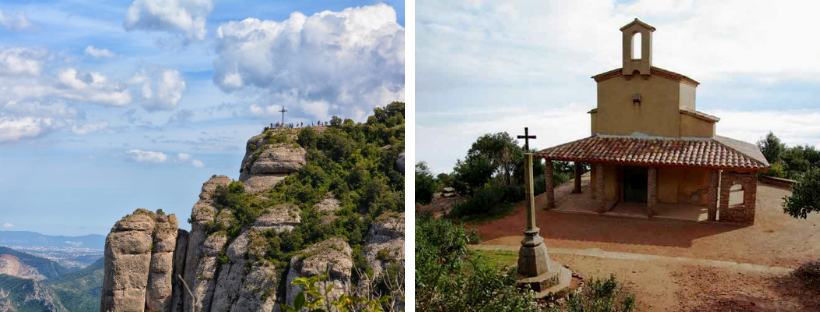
x,y
283,111
526,138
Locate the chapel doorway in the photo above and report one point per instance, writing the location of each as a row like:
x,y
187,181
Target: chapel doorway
x,y
635,184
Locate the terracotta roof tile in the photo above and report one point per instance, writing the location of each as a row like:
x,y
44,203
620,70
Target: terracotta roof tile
x,y
708,153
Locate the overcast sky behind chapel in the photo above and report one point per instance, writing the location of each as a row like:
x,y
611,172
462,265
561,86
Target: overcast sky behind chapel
x,y
109,106
491,66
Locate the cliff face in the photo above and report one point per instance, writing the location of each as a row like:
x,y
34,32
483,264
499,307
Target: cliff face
x,y
226,260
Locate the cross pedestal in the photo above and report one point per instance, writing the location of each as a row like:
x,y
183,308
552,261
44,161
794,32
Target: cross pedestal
x,y
535,268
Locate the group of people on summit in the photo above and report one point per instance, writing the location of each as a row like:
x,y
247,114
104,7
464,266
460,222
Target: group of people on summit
x,y
302,124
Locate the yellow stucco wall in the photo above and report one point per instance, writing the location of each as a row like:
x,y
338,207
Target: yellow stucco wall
x,y
677,185
687,96
657,115
611,182
695,127
594,118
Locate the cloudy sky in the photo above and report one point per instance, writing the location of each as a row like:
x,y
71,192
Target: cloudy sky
x,y
109,106
491,66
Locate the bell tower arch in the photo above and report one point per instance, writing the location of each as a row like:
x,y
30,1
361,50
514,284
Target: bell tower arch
x,y
637,48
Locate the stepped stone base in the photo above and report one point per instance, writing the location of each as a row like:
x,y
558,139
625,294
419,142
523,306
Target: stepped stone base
x,y
550,282
537,270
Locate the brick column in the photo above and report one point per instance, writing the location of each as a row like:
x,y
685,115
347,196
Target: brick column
x,y
599,188
651,191
577,188
714,180
550,189
750,197
726,180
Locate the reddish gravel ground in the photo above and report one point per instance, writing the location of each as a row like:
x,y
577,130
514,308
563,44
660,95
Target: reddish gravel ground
x,y
775,240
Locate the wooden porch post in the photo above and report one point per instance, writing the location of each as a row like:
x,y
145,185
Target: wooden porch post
x,y
652,191
548,183
577,188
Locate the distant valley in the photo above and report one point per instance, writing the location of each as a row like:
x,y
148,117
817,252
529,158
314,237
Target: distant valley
x,y
32,239
42,274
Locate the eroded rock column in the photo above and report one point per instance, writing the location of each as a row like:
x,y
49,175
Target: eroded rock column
x,y
127,263
160,278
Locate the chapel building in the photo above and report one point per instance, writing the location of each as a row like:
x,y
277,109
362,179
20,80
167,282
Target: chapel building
x,y
649,144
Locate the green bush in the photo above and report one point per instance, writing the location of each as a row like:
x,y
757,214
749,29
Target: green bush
x,y
489,200
425,184
448,280
598,296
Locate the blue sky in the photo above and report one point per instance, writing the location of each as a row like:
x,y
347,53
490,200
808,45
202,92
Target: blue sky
x,y
491,66
109,106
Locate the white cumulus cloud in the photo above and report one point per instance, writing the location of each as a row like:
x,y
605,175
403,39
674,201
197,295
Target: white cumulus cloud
x,y
147,156
89,128
14,128
8,225
182,157
330,63
22,61
161,88
197,163
17,21
186,16
97,53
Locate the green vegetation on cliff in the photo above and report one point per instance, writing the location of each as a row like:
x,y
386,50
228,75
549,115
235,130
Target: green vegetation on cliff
x,y
354,161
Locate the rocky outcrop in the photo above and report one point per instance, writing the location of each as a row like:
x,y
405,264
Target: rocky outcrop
x,y
209,187
261,182
254,144
127,260
386,236
332,257
264,165
400,163
279,158
281,217
228,268
201,254
160,279
327,208
384,246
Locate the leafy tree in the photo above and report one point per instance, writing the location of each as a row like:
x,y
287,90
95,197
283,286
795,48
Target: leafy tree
x,y
307,138
805,196
771,147
335,121
502,151
425,184
472,173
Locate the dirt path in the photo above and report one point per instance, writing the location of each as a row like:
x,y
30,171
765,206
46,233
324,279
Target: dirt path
x,y
680,265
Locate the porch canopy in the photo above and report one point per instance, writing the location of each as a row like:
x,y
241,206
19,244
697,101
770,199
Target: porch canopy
x,y
713,153
718,154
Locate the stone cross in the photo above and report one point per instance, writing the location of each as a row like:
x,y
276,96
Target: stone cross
x,y
535,268
526,138
283,111
532,230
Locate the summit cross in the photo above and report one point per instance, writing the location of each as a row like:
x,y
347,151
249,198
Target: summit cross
x,y
283,111
526,138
